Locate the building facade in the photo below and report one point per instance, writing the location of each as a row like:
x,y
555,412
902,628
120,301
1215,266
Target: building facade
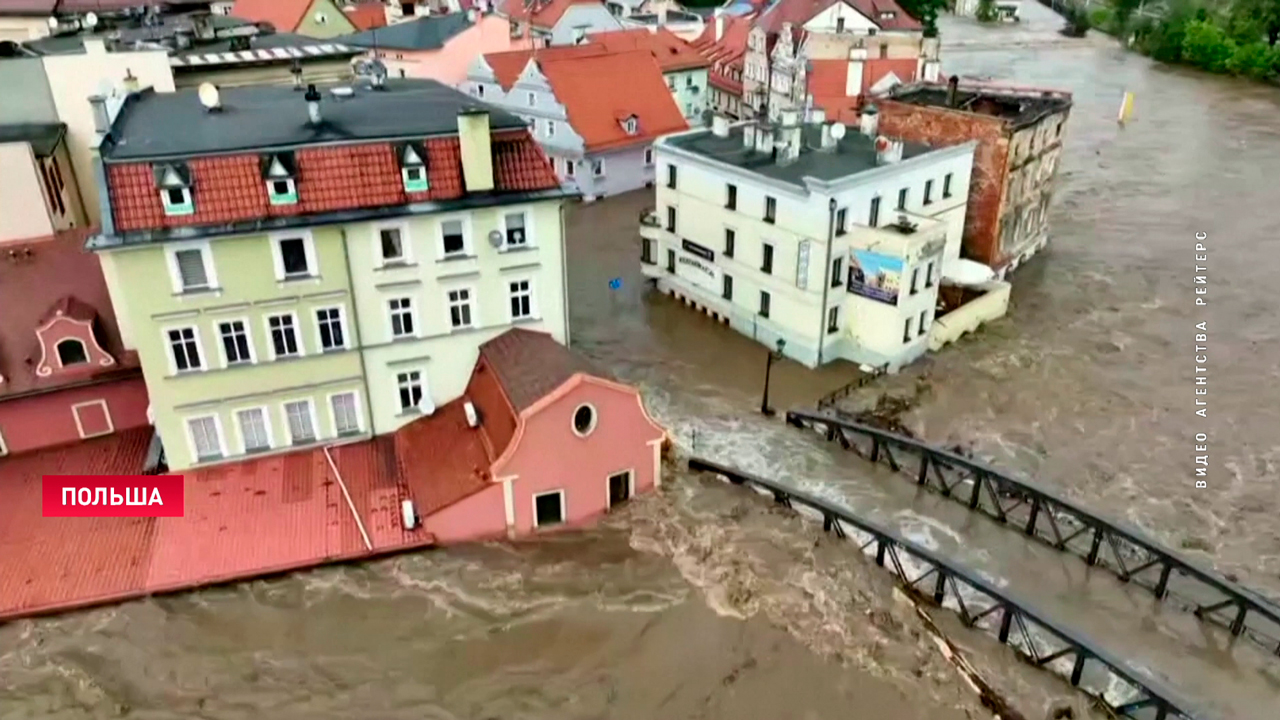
x,y
597,131
436,47
1019,131
332,260
39,196
313,18
543,23
784,231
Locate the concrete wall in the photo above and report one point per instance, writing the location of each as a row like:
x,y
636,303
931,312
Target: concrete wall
x,y
49,419
27,97
23,213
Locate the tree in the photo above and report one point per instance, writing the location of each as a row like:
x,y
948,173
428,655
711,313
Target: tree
x,y
986,11
1122,11
1207,46
1266,13
926,11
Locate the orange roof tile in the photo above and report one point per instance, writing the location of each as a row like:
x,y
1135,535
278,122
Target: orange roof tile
x,y
799,12
540,13
284,15
367,15
530,365
442,460
671,52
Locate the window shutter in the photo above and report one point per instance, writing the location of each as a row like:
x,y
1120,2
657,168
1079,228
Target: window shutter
x,y
191,268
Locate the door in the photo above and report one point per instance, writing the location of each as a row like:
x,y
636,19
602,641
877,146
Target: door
x,y
619,488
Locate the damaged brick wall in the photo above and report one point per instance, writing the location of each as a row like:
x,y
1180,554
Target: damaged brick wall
x,y
940,126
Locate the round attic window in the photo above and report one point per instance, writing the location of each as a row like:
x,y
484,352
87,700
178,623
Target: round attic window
x,y
584,420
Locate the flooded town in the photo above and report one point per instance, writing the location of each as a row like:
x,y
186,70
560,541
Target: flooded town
x,y
628,359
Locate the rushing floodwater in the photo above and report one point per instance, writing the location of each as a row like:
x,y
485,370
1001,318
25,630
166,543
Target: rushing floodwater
x,y
707,603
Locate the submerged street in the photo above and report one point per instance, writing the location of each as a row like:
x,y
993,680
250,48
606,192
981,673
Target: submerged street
x,y
706,602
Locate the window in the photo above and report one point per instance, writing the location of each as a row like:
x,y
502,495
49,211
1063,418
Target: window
x,y
415,178
842,221
764,303
234,335
630,126
833,320
873,218
551,128
928,276
346,413
671,261
402,317
884,51
521,300
192,270
729,238
597,168
906,331
671,176
479,90
902,199
671,219
254,432
548,508
731,197
646,251
514,223
184,346
727,293
460,308
767,264
837,269
915,280
295,258
71,352
928,192
333,335
770,210
569,165
300,417
177,201
282,192
410,386
391,245
205,438
452,238
283,330
839,25
584,420
648,156
946,185
531,99
921,327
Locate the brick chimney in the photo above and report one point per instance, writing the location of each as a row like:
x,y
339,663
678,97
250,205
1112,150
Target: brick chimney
x,y
477,149
853,79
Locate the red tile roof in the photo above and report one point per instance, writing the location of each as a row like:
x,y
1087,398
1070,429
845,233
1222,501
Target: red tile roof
x,y
367,15
230,188
530,365
584,80
542,14
284,15
726,53
669,49
799,12
828,83
56,273
442,459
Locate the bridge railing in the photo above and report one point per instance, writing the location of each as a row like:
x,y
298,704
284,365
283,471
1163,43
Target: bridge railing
x,y
1062,524
981,605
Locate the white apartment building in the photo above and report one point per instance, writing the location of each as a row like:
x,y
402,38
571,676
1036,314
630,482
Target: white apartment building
x,y
831,240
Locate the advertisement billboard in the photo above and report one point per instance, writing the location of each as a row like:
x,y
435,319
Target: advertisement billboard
x,y
875,276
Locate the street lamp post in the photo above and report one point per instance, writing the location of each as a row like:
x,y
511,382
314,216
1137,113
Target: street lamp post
x,y
768,366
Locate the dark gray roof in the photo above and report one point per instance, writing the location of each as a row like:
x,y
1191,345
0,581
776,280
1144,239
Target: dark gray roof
x,y
120,31
1019,107
43,137
428,33
157,125
854,153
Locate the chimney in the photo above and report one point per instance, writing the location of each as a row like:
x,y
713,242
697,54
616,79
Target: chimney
x,y
131,84
854,78
662,15
789,139
101,118
472,15
764,139
95,46
815,116
720,126
313,104
828,142
952,90
719,23
749,136
790,118
888,151
477,151
869,121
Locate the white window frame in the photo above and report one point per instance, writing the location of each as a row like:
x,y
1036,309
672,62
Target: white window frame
x,y
533,300
266,424
272,194
342,320
106,412
191,436
597,167
471,304
187,198
527,214
468,250
333,416
531,99
206,254
631,485
297,335
248,336
413,316
406,245
551,128
84,350
424,403
311,411
569,165
309,248
595,420
564,507
168,349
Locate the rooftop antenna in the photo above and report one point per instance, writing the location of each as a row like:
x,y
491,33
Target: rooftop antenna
x,y
210,97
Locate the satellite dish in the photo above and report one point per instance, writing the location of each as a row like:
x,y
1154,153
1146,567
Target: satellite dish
x,y
209,96
91,20
837,130
495,238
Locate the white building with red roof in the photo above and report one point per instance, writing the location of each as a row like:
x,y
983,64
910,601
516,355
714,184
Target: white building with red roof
x,y
556,22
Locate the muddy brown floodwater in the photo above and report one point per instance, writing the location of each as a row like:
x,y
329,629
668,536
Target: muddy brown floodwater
x,y
706,602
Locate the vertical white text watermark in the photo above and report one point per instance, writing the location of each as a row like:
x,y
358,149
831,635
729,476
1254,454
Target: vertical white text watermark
x,y
1201,382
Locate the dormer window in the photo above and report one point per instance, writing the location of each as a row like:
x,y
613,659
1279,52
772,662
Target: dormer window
x,y
413,168
173,180
278,172
72,352
887,14
631,125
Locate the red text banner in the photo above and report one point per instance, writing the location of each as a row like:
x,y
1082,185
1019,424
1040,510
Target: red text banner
x,y
113,496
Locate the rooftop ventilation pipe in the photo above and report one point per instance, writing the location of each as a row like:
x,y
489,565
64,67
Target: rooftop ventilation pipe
x,y
313,104
953,86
